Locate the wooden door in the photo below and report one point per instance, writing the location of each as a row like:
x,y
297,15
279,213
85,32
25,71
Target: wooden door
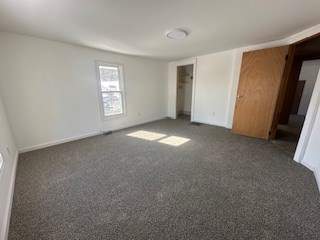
x,y
259,84
297,96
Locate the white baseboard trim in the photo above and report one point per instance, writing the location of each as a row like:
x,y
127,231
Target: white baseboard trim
x,y
307,165
133,124
7,212
317,175
211,123
53,143
70,139
185,112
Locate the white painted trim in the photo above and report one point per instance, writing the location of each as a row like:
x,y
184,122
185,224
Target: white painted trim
x,y
234,87
230,93
172,71
314,105
304,34
261,46
122,84
133,124
2,166
317,175
217,124
53,143
185,62
70,139
307,165
7,212
194,79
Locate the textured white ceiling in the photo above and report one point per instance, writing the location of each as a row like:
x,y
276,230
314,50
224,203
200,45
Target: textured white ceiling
x,y
138,27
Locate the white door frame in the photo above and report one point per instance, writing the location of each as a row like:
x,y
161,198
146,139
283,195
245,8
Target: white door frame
x,y
193,62
314,105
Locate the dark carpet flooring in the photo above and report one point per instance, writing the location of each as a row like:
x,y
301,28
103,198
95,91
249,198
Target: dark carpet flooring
x,y
214,186
288,135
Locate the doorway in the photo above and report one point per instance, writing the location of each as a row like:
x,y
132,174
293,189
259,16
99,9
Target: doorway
x,y
298,83
288,114
288,132
184,91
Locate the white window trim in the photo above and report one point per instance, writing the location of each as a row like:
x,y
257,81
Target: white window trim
x,y
122,84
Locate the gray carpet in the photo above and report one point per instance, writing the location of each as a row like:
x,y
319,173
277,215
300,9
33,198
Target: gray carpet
x,y
288,135
215,186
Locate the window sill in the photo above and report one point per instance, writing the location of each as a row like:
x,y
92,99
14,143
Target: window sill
x,y
112,117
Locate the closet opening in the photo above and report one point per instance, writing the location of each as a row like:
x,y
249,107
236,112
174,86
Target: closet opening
x,y
184,91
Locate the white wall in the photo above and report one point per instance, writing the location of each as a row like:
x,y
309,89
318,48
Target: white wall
x,y
8,171
312,154
212,88
50,93
172,90
217,88
308,151
309,72
212,82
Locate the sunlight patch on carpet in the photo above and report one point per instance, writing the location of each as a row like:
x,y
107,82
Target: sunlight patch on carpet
x,y
146,135
174,141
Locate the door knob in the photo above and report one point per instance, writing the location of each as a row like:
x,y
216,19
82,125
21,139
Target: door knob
x,y
240,96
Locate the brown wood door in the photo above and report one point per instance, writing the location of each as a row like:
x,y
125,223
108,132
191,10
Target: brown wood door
x,y
297,96
259,84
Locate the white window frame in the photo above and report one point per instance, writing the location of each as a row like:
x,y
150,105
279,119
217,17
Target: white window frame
x,y
121,91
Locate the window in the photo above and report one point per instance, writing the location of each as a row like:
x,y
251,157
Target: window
x,y
111,89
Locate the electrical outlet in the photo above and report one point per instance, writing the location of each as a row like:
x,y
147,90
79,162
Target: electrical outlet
x,y
213,114
139,113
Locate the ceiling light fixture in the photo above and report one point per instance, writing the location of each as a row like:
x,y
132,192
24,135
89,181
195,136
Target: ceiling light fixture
x,y
178,33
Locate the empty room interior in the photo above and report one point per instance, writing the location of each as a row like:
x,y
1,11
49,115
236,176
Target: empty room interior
x,y
147,119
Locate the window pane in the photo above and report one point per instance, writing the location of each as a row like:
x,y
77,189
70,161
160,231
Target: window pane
x,y
112,103
109,78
